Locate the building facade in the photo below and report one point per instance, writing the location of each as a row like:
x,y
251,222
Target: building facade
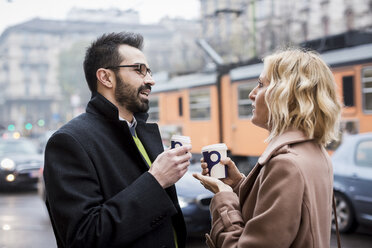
x,y
242,29
36,56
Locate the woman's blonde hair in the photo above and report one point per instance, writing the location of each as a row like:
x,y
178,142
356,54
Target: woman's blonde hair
x,y
302,95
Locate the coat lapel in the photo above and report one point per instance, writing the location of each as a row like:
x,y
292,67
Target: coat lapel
x,y
289,137
246,186
150,139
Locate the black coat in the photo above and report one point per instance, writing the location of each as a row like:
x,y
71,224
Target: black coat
x,y
98,189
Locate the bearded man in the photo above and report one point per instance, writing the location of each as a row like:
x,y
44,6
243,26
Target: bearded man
x,y
108,180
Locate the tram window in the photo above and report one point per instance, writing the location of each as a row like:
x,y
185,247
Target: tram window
x,y
180,106
244,103
367,88
154,109
348,90
200,107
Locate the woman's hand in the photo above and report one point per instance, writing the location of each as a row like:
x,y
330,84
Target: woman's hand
x,y
212,184
233,173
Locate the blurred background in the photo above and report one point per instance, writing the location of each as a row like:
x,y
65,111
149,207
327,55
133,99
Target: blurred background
x,y
205,56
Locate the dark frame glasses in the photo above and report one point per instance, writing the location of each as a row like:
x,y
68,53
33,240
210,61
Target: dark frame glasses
x,y
141,68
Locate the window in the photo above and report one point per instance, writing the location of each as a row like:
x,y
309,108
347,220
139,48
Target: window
x,y
349,17
364,154
42,82
154,109
262,10
244,103
180,106
348,90
200,106
325,24
305,30
27,83
367,89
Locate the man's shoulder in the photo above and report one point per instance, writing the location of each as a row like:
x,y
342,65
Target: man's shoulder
x,y
78,125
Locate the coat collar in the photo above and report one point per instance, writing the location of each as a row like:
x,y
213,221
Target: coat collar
x,y
290,136
99,105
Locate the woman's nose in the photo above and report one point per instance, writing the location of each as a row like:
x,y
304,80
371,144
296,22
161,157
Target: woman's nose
x,y
252,94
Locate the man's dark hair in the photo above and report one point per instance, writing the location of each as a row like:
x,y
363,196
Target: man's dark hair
x,y
104,52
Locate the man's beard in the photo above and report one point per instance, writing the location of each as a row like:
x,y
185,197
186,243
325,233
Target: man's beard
x,y
128,97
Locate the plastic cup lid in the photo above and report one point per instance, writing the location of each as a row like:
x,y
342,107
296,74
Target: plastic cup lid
x,y
219,146
181,138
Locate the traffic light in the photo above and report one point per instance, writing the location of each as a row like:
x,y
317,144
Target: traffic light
x,y
11,127
41,123
28,126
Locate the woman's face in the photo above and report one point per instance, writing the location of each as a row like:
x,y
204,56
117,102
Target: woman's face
x,y
260,111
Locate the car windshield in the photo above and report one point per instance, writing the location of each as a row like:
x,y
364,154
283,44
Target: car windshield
x,y
17,147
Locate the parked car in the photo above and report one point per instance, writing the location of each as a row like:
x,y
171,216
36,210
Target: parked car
x,y
19,162
352,163
194,200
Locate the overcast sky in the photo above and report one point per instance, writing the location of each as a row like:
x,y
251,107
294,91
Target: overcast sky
x,y
17,11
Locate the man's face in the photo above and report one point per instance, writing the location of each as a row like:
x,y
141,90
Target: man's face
x,y
132,98
132,88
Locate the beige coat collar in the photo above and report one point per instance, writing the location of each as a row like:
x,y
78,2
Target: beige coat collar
x,y
288,137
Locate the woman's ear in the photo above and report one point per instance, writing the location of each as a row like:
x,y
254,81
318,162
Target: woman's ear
x,y
105,77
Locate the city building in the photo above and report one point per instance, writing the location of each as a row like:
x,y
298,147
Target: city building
x,y
41,74
241,29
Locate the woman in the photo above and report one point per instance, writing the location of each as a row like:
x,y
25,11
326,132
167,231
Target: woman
x,y
286,200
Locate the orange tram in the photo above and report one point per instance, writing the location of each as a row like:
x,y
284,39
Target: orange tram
x,y
214,107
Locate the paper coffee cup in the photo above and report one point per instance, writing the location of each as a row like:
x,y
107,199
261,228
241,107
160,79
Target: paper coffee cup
x,y
212,155
178,140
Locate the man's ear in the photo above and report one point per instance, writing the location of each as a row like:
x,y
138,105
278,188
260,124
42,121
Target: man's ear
x,y
105,77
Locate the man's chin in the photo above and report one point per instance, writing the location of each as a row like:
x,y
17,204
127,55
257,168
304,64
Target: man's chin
x,y
143,108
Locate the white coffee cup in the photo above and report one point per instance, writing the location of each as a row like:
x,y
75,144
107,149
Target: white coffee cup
x,y
212,155
178,140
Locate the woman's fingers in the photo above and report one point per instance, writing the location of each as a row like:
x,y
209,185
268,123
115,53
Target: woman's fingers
x,y
209,183
205,170
228,162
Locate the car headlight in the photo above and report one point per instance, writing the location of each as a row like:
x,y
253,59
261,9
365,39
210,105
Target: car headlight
x,y
7,164
184,202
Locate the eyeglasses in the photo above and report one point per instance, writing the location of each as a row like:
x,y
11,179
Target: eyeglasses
x,y
141,68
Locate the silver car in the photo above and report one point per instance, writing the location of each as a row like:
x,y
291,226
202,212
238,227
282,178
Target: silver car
x,y
352,163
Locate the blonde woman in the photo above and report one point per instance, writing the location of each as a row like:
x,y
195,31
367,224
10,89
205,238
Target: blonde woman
x,y
286,200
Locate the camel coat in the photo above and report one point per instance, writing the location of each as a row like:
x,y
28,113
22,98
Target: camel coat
x,y
285,201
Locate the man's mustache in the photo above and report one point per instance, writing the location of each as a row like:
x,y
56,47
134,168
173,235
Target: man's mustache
x,y
144,87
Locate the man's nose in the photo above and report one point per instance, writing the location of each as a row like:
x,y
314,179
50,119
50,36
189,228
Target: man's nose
x,y
149,80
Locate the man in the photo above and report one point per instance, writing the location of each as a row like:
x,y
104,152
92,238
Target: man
x,y
108,181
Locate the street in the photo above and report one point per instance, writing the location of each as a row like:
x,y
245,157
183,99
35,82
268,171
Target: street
x,y
24,222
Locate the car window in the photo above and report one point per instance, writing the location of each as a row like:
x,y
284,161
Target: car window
x,y
364,154
17,147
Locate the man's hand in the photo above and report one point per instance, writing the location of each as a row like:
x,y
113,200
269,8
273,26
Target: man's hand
x,y
171,165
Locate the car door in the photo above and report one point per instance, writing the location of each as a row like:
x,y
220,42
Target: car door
x,y
363,179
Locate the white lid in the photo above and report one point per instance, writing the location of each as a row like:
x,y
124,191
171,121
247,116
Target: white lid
x,y
181,138
219,146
